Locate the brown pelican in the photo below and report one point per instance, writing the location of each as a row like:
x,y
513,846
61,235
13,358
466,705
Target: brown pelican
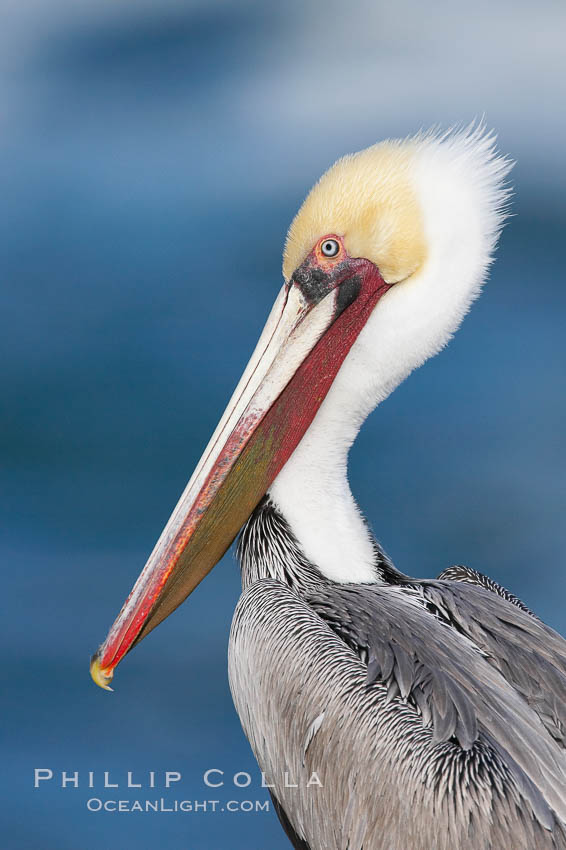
x,y
433,712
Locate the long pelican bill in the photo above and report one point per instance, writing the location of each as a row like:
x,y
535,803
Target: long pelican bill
x,y
312,326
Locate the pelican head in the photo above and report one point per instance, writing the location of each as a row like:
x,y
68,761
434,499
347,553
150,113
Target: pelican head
x,y
381,263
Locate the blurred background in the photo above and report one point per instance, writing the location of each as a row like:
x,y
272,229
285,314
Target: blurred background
x,y
150,156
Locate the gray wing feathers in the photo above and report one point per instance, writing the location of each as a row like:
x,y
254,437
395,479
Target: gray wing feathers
x,y
386,784
464,678
467,575
527,653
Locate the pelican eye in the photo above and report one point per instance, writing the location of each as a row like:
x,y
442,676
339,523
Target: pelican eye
x,y
330,247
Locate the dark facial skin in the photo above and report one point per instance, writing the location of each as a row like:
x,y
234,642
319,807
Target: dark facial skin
x,y
316,279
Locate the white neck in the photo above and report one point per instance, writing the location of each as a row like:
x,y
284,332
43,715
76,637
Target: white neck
x,y
313,494
312,490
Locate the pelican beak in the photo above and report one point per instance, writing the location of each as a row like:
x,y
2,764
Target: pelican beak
x,y
312,326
